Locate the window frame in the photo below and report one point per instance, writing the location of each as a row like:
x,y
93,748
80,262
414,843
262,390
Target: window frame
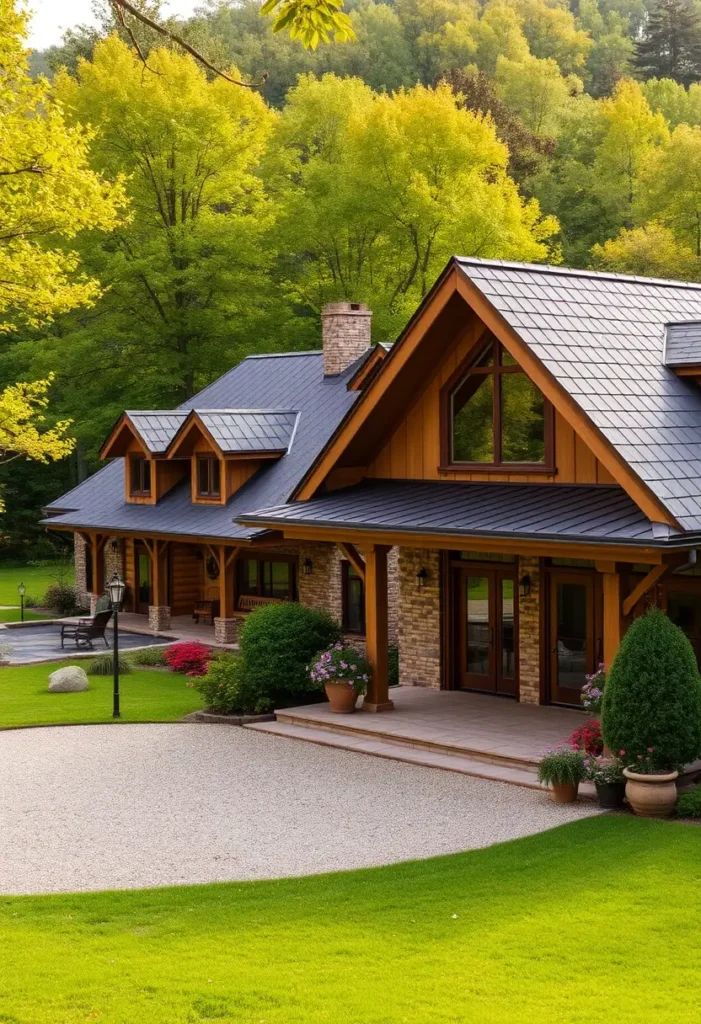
x,y
209,494
346,569
261,560
497,371
144,461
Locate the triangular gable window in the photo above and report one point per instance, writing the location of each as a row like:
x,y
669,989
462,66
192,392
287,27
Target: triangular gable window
x,y
495,416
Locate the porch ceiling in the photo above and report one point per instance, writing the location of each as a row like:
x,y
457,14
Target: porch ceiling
x,y
577,514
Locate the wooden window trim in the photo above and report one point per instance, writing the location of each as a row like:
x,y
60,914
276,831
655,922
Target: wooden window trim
x,y
345,577
497,370
210,493
261,559
140,493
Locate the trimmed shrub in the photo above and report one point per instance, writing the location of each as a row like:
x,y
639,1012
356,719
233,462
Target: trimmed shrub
x,y
689,804
62,599
103,665
190,657
652,700
148,657
227,691
277,644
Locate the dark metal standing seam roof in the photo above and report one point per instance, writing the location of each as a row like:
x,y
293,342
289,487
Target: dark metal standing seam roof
x,y
157,429
290,381
601,514
602,337
244,431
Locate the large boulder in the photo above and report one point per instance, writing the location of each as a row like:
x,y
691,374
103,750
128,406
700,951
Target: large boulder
x,y
68,680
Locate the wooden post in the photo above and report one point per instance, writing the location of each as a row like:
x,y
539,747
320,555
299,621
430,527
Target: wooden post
x,y
227,581
159,572
611,584
376,629
98,564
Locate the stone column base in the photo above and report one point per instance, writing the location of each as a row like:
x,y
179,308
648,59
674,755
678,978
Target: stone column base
x,y
158,617
226,631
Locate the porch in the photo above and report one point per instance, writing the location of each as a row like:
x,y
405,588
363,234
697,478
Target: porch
x,y
470,733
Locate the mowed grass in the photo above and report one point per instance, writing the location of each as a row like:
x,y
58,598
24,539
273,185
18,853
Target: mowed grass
x,y
146,696
37,580
599,920
14,615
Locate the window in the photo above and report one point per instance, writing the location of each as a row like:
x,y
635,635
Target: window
x,y
353,600
139,475
495,415
208,476
266,578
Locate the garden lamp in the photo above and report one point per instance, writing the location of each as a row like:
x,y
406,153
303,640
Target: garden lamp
x,y
21,590
115,589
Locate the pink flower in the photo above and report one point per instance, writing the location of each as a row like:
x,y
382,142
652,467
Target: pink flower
x,y
650,750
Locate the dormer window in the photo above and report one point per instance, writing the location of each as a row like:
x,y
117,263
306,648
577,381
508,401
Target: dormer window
x,y
495,416
208,477
139,476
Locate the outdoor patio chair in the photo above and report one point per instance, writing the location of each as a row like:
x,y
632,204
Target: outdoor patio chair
x,y
83,633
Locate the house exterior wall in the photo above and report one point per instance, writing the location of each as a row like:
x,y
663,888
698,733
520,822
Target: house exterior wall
x,y
419,619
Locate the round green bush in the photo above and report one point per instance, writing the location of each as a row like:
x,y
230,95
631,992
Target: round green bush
x,y
689,804
103,665
227,691
652,700
277,643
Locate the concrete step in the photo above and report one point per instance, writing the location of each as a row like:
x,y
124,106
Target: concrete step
x,y
338,726
424,756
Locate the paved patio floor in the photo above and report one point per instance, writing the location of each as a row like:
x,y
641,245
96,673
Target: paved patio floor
x,y
131,806
42,642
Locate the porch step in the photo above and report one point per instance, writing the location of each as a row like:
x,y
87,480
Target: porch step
x,y
425,756
337,725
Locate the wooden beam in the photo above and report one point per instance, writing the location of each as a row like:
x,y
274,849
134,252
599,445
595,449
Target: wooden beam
x,y
353,556
159,574
231,554
98,565
611,585
227,584
604,566
376,629
641,588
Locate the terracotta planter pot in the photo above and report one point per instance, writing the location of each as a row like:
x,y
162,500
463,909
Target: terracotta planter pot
x,y
342,697
611,795
564,792
651,796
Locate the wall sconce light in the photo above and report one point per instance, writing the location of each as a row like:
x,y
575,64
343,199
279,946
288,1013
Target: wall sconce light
x,y
422,577
115,546
307,567
525,586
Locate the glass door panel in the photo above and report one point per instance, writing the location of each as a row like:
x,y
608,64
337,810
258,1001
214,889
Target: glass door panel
x,y
572,654
506,617
478,628
488,650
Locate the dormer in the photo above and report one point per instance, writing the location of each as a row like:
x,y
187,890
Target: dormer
x,y
682,349
141,439
227,446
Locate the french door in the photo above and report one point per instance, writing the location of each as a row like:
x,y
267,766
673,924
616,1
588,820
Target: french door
x,y
142,590
574,647
487,649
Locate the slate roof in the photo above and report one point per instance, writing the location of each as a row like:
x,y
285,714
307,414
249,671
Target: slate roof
x,y
157,429
682,344
601,514
602,337
282,382
244,431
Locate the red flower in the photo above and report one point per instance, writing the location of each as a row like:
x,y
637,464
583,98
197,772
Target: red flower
x,y
191,658
588,737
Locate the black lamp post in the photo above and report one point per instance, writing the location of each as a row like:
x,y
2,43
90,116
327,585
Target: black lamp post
x,y
115,589
21,590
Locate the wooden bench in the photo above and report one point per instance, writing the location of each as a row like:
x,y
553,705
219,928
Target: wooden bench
x,y
205,609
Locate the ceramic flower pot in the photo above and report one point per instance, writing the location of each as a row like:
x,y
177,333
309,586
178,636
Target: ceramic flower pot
x,y
564,792
651,796
342,697
611,795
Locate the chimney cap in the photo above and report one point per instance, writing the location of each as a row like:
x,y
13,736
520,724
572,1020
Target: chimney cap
x,y
334,308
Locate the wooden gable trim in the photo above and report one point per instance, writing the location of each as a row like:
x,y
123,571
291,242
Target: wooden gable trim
x,y
622,473
396,359
372,363
122,426
193,422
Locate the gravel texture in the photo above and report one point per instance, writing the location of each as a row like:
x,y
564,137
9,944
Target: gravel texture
x,y
132,806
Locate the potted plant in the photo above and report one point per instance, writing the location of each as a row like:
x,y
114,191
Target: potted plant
x,y
592,695
344,674
562,769
607,775
587,737
651,711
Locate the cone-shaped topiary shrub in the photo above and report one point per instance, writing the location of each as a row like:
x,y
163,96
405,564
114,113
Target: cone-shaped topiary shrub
x,y
652,700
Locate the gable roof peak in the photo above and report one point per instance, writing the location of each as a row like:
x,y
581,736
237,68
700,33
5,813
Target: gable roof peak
x,y
562,271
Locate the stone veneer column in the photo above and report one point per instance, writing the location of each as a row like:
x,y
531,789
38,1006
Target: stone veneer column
x,y
80,558
529,633
113,558
321,589
226,631
158,617
419,619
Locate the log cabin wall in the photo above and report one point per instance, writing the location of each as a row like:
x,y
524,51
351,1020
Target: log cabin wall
x,y
413,451
187,576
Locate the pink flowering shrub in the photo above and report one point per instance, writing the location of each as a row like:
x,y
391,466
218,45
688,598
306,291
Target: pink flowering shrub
x,y
592,695
340,664
190,657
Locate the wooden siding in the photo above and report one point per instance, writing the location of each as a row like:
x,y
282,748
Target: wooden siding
x,y
186,578
413,451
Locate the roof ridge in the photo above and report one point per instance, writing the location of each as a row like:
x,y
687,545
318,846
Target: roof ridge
x,y
549,268
279,355
234,409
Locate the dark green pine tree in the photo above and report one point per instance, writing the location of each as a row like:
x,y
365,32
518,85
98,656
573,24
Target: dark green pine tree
x,y
671,42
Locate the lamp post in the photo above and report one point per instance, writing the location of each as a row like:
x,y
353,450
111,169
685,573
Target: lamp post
x,y
115,589
21,590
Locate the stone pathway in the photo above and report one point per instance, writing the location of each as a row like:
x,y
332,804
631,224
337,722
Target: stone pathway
x,y
131,806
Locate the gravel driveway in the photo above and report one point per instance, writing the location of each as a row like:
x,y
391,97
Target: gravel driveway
x,y
130,806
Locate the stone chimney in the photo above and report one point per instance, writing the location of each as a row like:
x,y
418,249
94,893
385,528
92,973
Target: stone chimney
x,y
345,334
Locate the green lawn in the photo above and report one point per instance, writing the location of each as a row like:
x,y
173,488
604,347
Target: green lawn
x,y
36,578
13,615
146,696
595,921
